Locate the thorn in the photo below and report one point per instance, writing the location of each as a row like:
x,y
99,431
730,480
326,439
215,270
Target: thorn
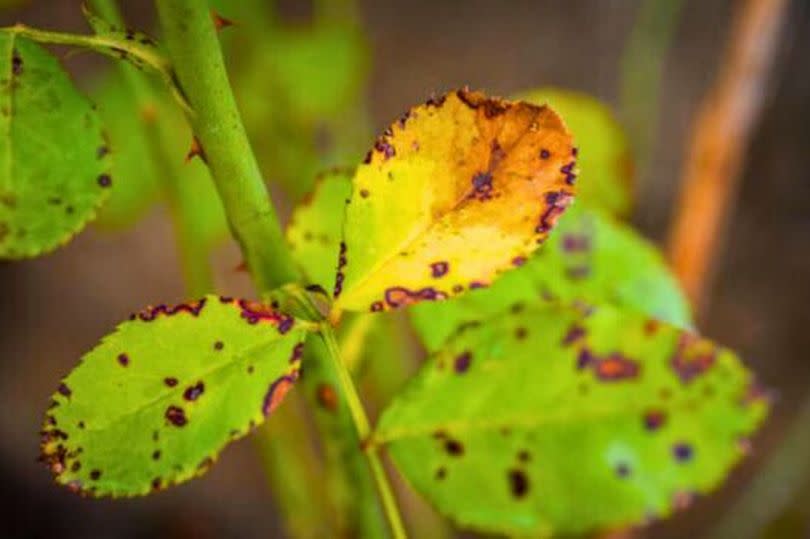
x,y
196,151
241,267
149,112
220,22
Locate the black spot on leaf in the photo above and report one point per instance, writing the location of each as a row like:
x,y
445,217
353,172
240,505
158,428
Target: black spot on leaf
x,y
518,483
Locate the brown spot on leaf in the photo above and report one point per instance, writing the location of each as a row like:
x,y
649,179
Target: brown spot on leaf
x,y
123,360
454,448
192,393
327,397
170,381
518,483
176,416
439,269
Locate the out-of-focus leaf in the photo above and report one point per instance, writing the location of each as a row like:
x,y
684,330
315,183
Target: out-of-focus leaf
x,y
137,177
54,168
316,227
605,163
590,257
154,403
455,192
300,91
552,420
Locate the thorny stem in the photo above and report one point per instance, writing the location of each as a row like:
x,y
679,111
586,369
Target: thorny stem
x,y
200,71
197,61
363,427
193,256
199,66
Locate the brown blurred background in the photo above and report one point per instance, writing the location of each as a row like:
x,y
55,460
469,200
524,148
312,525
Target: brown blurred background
x,y
54,308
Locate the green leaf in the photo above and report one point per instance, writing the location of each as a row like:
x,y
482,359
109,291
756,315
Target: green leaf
x,y
316,227
554,421
590,257
452,194
136,187
154,403
604,160
54,168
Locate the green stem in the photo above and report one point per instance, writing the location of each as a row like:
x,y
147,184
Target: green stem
x,y
111,45
194,263
197,60
363,427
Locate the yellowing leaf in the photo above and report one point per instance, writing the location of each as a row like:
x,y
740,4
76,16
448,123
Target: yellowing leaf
x,y
605,163
455,192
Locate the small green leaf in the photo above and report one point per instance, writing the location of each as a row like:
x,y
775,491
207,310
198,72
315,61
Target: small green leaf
x,y
451,195
590,257
605,163
54,168
154,403
554,421
316,227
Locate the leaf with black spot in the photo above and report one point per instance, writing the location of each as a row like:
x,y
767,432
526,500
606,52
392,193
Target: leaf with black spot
x,y
449,197
52,176
595,419
590,257
156,400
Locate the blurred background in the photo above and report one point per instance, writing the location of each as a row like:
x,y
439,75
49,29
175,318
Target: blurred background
x,y
362,65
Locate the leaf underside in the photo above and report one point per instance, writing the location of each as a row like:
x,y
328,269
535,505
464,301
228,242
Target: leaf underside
x,y
54,163
550,420
316,225
154,403
589,257
455,192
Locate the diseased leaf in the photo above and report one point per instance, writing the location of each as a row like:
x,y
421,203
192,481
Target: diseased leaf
x,y
452,194
604,160
590,257
136,187
551,421
154,403
316,227
54,168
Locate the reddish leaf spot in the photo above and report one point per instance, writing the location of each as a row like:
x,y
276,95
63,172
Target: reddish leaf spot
x,y
192,393
654,420
123,360
327,397
276,392
398,296
170,381
439,269
176,416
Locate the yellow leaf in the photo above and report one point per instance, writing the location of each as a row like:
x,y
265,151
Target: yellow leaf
x,y
453,193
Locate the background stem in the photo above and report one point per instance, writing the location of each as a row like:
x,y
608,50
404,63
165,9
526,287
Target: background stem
x,y
723,126
363,428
